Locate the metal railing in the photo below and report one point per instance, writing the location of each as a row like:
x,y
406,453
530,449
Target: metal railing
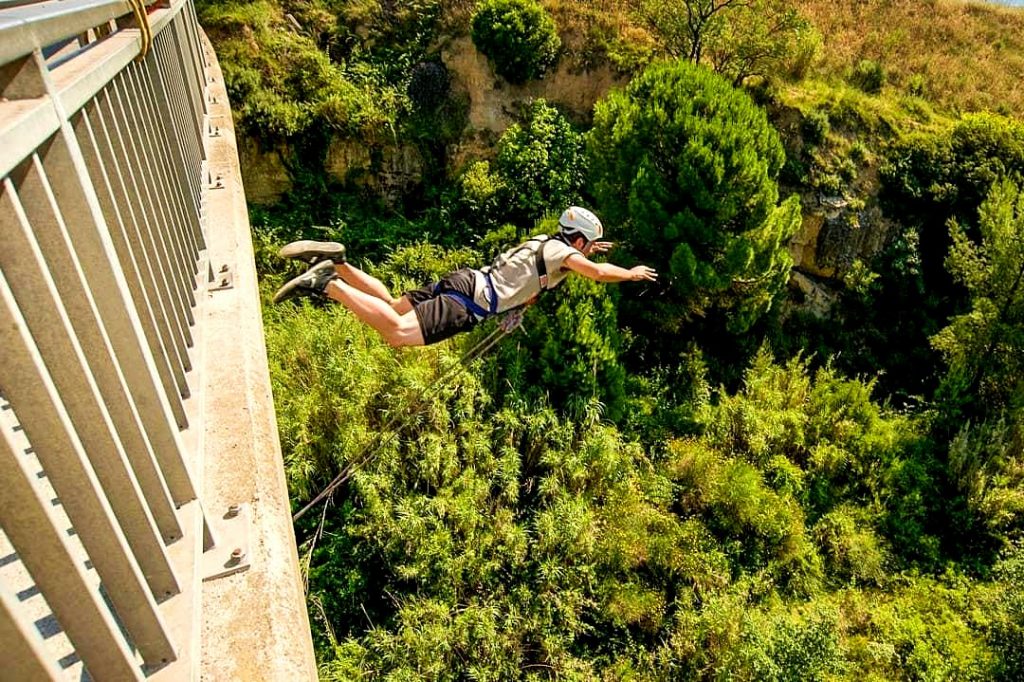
x,y
102,165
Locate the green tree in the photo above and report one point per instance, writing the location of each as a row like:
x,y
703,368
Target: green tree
x,y
540,168
738,38
984,347
687,165
685,27
518,36
541,163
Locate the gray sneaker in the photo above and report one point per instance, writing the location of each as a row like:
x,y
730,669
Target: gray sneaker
x,y
313,252
310,283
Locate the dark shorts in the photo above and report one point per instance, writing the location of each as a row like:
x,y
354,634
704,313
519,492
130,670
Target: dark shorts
x,y
441,316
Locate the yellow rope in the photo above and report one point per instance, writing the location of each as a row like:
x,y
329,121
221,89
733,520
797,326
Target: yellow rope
x,y
145,32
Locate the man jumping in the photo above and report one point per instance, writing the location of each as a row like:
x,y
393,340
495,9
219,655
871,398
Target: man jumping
x,y
462,298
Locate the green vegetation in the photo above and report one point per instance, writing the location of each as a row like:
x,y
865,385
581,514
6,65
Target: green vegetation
x,y
518,36
984,347
729,474
738,40
687,165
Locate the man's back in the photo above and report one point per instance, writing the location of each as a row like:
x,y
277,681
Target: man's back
x,y
515,276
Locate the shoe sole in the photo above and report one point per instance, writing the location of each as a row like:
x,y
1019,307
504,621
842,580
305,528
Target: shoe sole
x,y
312,251
294,287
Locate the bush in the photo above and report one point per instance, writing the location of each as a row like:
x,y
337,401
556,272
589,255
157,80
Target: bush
x,y
815,126
541,163
687,165
539,169
475,204
518,36
933,177
917,85
869,76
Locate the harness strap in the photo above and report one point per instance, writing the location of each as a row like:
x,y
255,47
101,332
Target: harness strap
x,y
473,306
542,266
539,262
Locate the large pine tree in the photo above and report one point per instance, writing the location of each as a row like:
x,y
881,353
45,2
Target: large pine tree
x,y
685,166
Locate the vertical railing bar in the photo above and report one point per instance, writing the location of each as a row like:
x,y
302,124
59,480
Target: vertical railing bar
x,y
192,56
149,245
150,171
185,75
91,239
187,32
173,82
122,118
138,445
175,221
158,226
185,102
176,97
73,342
47,555
170,101
173,297
175,163
169,346
194,76
29,387
24,657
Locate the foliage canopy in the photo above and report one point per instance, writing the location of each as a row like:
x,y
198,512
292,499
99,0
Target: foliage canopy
x,y
687,165
518,36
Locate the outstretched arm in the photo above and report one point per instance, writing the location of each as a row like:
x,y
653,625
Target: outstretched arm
x,y
606,272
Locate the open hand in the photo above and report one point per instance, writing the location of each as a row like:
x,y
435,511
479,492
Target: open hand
x,y
597,247
642,272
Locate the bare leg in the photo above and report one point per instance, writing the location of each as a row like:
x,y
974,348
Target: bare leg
x,y
367,284
398,329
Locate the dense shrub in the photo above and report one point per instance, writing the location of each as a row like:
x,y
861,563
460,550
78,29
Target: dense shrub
x,y
518,36
869,76
539,169
815,126
931,177
568,353
282,85
685,166
541,163
476,201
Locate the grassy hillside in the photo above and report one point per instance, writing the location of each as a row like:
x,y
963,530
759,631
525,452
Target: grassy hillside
x,y
963,56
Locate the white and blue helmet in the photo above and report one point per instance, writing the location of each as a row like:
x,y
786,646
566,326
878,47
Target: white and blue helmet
x,y
576,220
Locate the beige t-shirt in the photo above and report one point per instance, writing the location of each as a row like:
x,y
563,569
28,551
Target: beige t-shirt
x,y
514,273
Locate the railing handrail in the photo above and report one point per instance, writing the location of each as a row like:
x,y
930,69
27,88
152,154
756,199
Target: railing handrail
x,y
28,27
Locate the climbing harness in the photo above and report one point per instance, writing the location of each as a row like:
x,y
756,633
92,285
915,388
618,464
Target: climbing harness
x,y
508,324
479,312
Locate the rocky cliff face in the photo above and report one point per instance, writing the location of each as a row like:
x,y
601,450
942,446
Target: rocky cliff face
x,y
393,170
841,225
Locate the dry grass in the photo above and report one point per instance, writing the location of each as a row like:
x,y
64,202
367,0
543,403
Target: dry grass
x,y
969,54
961,55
